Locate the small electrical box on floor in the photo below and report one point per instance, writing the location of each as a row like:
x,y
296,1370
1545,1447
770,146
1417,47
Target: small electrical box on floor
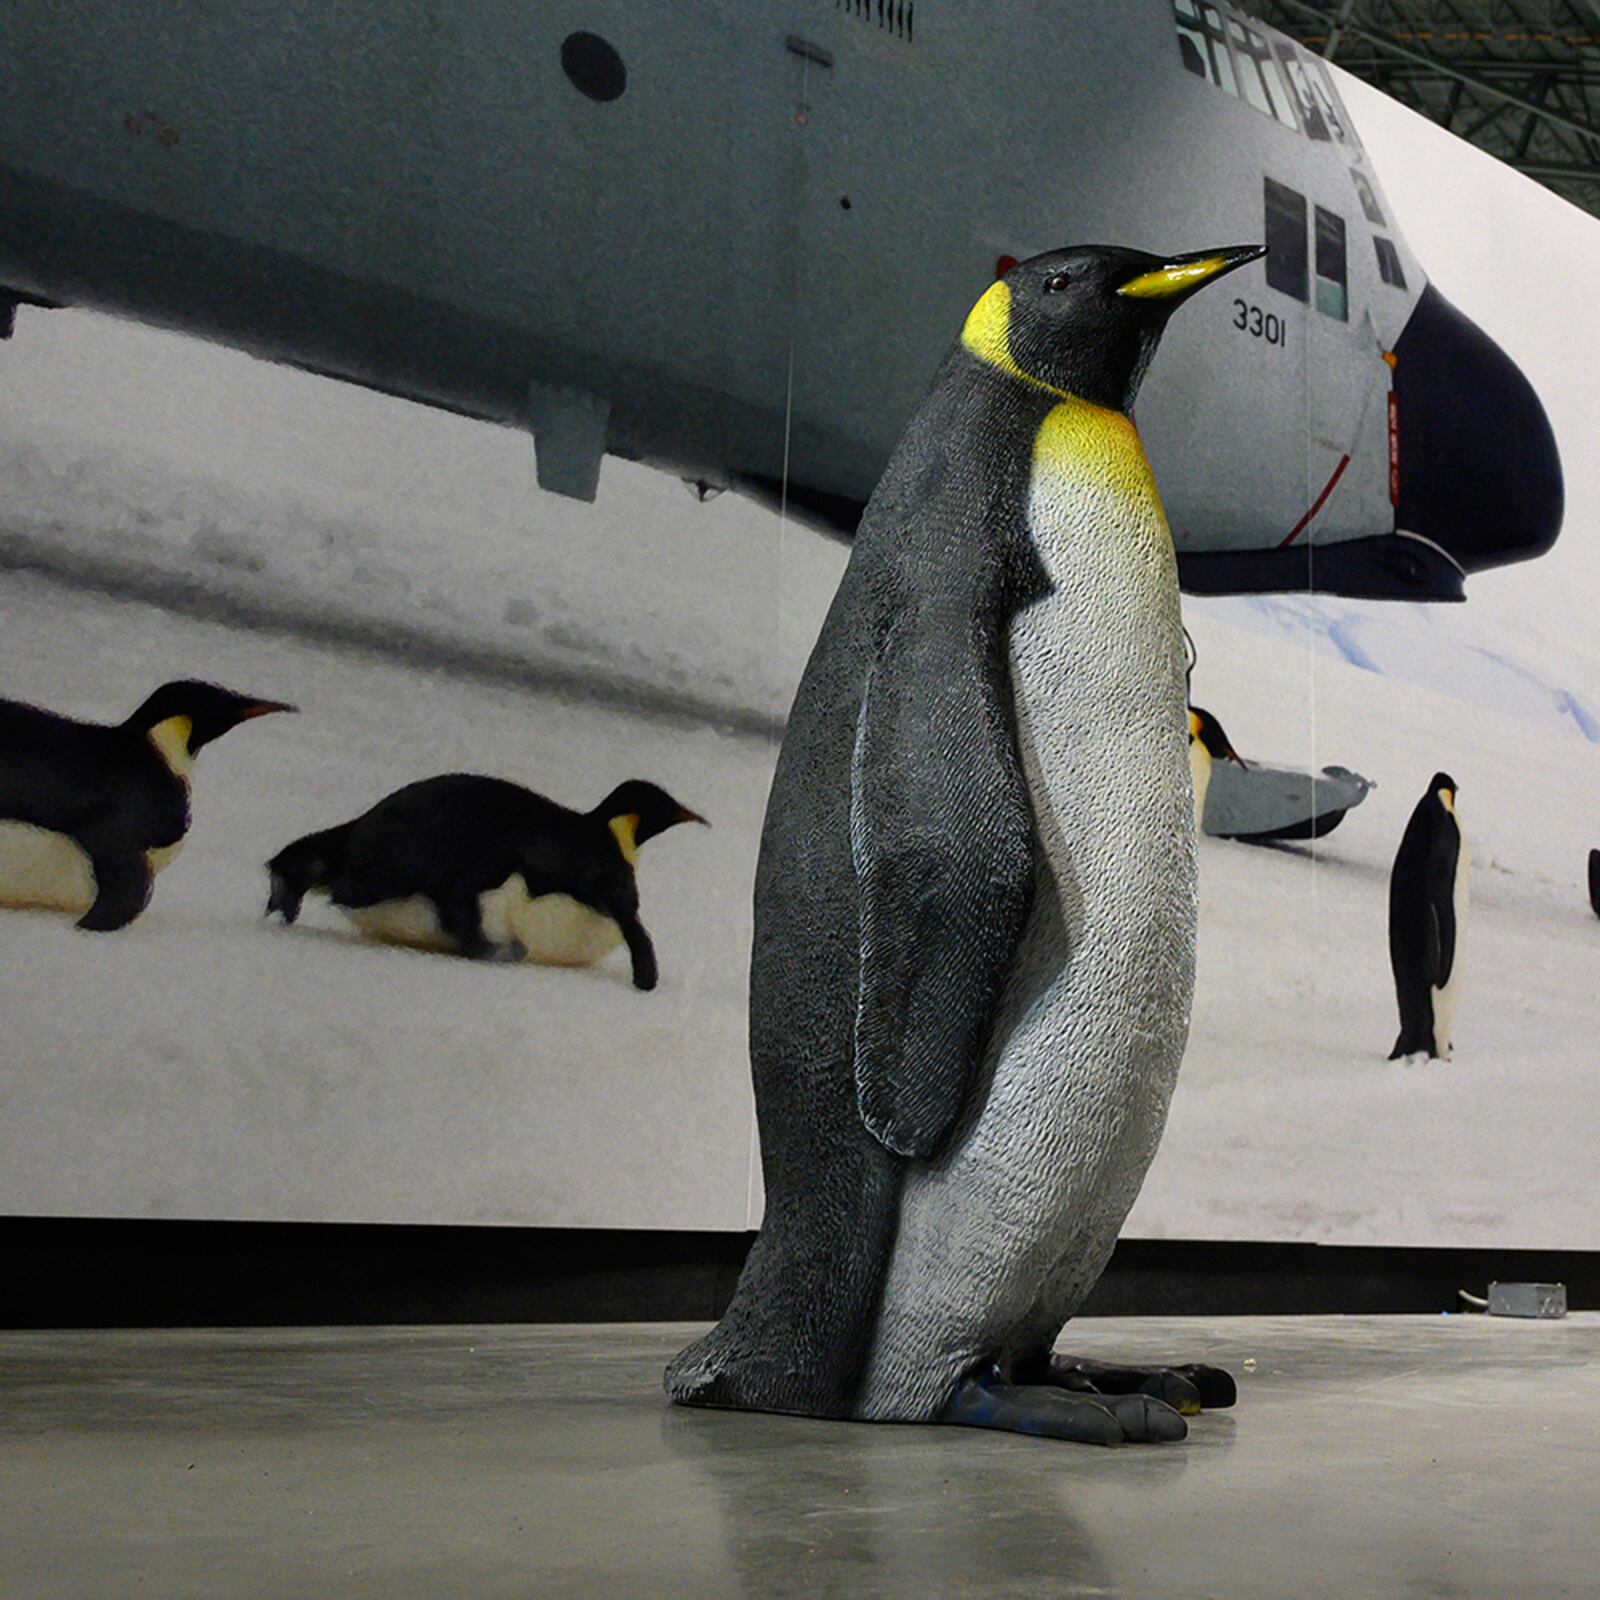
x,y
1527,1300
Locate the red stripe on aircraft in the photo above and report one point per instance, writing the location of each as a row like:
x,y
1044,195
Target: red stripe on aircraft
x,y
1316,505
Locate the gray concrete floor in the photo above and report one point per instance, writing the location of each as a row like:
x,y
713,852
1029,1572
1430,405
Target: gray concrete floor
x,y
1416,1457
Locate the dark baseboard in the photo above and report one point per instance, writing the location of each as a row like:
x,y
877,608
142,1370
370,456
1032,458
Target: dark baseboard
x,y
90,1273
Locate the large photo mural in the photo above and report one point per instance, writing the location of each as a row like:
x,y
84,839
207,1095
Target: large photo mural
x,y
423,923
1290,1121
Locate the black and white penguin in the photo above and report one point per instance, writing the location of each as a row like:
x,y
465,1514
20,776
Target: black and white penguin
x,y
1207,743
1594,881
975,900
487,869
90,812
1427,909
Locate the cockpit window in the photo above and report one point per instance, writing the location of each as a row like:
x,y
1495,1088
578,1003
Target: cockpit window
x,y
1229,51
1389,268
1286,241
1368,198
1333,277
1259,78
1295,71
1327,103
1203,44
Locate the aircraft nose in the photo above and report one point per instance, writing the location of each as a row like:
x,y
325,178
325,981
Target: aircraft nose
x,y
1479,472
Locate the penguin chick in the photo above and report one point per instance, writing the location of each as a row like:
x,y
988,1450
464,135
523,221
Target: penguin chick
x,y
89,813
1207,742
1427,909
489,870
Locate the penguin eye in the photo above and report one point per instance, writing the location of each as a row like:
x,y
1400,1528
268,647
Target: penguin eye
x,y
1056,282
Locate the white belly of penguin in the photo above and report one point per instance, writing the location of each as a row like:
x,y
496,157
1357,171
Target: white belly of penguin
x,y
45,871
1199,780
1002,1236
554,929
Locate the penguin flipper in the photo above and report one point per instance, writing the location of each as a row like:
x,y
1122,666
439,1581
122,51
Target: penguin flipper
x,y
942,835
1442,906
641,952
122,883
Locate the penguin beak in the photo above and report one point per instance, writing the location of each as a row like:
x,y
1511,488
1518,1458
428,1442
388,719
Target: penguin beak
x,y
264,708
1180,276
686,815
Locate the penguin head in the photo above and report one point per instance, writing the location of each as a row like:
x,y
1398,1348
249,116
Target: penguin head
x,y
209,710
1444,786
638,810
1085,321
1205,727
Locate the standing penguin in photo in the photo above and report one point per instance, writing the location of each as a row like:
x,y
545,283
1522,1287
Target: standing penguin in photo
x,y
89,813
1427,908
975,900
1594,881
487,869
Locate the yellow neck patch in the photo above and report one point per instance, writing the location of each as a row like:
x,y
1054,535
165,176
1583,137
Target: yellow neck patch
x,y
171,739
625,831
987,335
1447,800
1194,726
1079,440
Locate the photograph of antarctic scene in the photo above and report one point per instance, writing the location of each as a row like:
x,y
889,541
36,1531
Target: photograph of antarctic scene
x,y
178,511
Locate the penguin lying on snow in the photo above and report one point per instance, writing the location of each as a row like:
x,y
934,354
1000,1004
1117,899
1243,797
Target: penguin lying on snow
x,y
90,813
1207,742
1427,908
975,901
488,869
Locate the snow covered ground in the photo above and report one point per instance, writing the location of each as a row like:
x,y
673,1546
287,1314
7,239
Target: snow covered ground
x,y
208,1063
395,572
1288,1121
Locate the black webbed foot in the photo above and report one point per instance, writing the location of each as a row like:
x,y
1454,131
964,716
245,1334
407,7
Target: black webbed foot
x,y
498,955
1189,1389
1049,1411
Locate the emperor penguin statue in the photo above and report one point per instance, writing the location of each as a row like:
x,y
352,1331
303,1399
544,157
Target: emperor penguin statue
x,y
975,901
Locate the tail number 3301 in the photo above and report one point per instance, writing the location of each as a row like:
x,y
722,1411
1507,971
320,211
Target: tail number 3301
x,y
1259,324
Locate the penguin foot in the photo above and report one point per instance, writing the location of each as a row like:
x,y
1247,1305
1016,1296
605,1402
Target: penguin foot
x,y
501,955
1187,1389
987,1401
